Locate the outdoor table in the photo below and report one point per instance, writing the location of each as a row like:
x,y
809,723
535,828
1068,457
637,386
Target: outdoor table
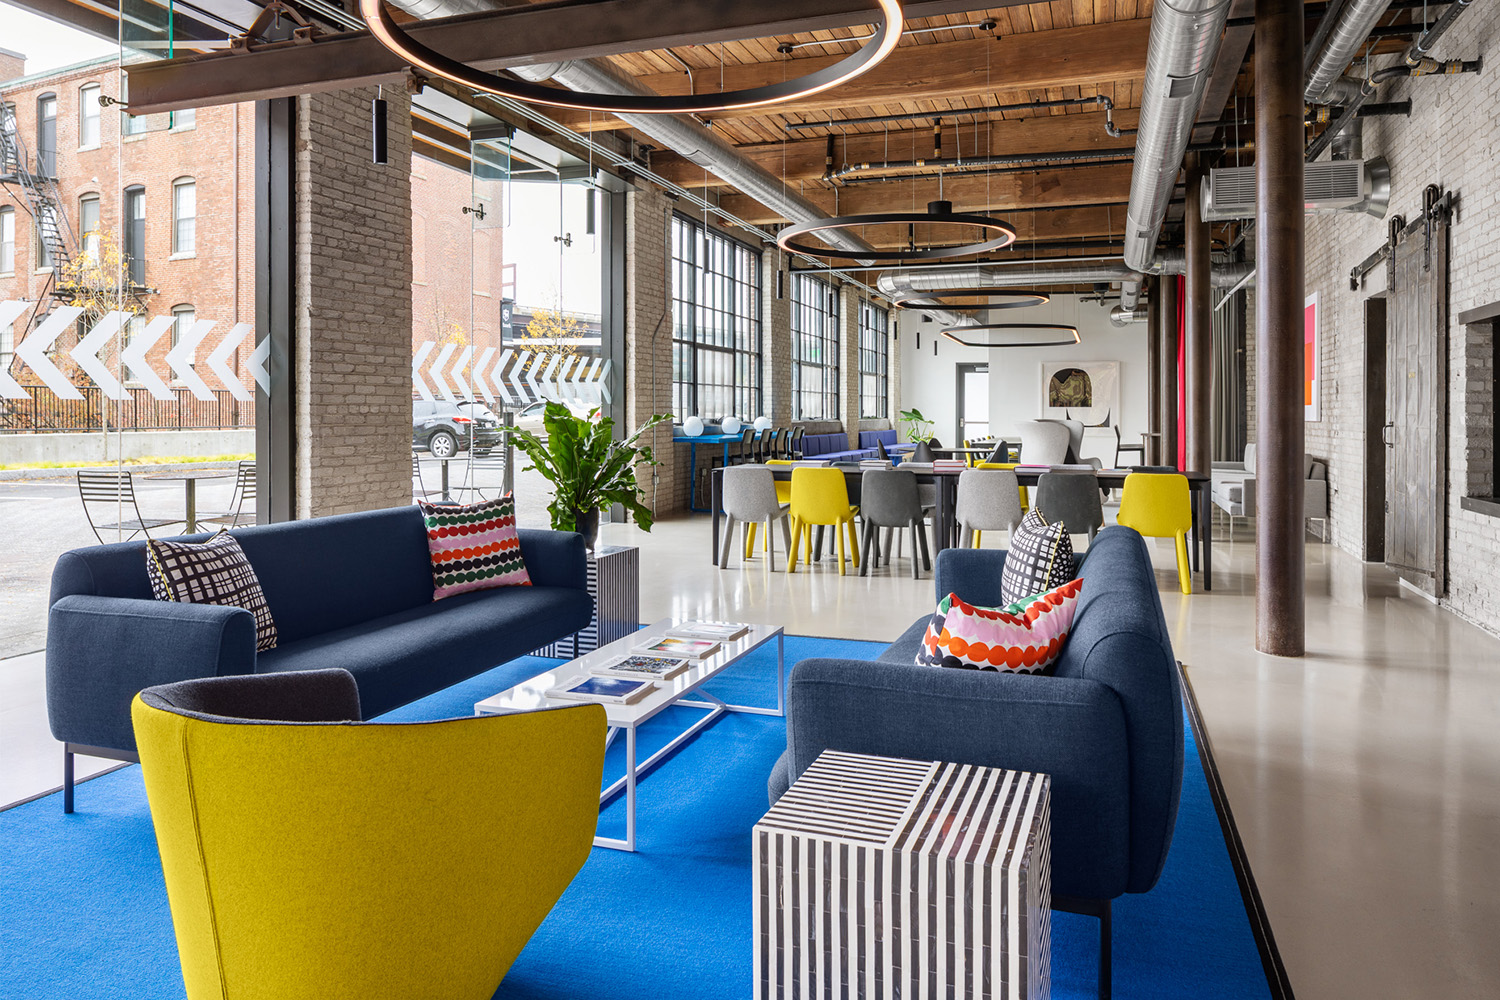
x,y
190,479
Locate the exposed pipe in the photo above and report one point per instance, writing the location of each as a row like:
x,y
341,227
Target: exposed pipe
x,y
1348,34
913,283
1080,158
1068,102
1185,37
1119,316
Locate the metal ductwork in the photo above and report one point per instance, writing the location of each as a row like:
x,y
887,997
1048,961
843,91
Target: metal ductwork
x,y
911,285
1185,37
1325,83
1119,316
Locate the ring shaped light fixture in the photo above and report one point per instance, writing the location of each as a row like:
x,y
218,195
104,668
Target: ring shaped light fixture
x,y
887,34
939,212
1010,298
1037,334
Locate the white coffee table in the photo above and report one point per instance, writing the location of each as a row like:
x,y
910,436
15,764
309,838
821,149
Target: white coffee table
x,y
684,689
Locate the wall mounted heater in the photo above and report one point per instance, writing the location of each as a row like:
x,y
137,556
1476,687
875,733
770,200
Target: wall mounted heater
x,y
1328,186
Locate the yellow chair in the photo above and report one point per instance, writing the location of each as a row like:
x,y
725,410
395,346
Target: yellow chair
x,y
1159,506
317,857
821,496
783,486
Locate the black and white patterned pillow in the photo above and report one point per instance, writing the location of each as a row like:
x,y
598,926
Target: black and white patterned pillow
x,y
211,572
1040,558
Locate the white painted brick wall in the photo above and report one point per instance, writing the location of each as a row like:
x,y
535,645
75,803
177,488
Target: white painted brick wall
x,y
1452,139
648,340
353,302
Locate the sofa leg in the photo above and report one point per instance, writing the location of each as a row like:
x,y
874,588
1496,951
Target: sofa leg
x,y
67,779
1105,947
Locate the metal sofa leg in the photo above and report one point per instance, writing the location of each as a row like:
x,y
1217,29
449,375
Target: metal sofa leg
x,y
67,779
1094,908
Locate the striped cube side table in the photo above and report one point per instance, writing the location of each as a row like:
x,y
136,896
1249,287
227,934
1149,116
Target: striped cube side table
x,y
883,878
615,585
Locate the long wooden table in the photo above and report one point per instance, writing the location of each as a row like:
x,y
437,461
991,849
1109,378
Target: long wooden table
x,y
945,525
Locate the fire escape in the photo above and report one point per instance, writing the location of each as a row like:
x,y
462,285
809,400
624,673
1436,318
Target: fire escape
x,y
38,192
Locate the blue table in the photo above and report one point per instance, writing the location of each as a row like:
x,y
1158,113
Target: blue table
x,y
723,440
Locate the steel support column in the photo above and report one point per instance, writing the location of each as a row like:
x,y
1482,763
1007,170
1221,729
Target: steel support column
x,y
1279,234
275,249
1166,386
1199,333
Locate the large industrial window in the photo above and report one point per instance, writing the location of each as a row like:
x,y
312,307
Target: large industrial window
x,y
874,360
716,353
815,349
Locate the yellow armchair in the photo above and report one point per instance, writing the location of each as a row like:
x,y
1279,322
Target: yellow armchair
x,y
309,855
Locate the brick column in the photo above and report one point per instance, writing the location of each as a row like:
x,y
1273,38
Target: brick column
x,y
849,361
648,340
776,338
353,306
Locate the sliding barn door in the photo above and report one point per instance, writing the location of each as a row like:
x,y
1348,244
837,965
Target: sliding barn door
x,y
1416,407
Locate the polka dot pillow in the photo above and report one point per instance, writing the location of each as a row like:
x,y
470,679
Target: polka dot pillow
x,y
1025,638
474,547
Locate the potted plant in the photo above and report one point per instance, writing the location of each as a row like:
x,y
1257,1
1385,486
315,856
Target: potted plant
x,y
919,431
588,468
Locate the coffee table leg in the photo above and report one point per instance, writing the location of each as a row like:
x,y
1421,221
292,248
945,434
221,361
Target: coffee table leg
x,y
781,676
630,789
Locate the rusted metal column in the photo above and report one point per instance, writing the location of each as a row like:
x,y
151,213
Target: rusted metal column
x,y
1280,613
1166,386
1152,291
1199,333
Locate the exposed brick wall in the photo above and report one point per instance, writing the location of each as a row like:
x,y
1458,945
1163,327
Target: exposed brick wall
x,y
1452,139
776,339
648,344
353,305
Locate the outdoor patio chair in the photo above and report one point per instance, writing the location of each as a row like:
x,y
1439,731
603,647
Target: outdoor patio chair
x,y
244,492
109,505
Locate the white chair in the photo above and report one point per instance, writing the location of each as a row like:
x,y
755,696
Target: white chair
x,y
749,499
1044,442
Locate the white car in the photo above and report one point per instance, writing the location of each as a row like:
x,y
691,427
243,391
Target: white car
x,y
530,419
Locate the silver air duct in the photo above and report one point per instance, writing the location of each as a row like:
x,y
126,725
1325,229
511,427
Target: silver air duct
x,y
1185,37
1356,19
1119,316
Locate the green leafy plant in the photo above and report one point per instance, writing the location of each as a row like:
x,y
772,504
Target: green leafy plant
x,y
918,427
589,469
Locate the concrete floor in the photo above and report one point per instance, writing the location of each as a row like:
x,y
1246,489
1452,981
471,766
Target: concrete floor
x,y
1365,777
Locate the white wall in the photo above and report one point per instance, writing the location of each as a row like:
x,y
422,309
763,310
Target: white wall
x,y
928,382
102,449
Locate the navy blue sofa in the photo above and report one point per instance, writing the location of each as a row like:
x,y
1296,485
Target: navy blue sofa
x,y
352,591
1107,725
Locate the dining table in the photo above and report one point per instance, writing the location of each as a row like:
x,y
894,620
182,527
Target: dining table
x,y
189,478
945,523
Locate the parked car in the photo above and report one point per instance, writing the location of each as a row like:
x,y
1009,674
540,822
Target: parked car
x,y
445,428
530,418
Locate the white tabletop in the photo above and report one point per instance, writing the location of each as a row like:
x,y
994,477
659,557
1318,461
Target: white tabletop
x,y
531,694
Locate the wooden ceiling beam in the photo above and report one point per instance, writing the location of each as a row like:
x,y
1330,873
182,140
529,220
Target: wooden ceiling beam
x,y
1084,56
1045,188
804,159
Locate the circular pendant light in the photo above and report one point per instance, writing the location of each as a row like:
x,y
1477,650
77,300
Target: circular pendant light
x,y
1000,234
869,55
1009,298
1025,335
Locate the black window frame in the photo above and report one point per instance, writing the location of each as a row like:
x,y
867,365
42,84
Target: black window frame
x,y
815,346
133,241
717,330
874,360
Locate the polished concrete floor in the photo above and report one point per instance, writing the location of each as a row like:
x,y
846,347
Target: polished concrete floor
x,y
1365,777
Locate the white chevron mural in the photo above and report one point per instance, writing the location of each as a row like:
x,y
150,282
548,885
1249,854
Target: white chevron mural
x,y
512,378
36,351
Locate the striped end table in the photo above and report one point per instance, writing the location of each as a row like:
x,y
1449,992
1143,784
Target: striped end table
x,y
884,878
614,582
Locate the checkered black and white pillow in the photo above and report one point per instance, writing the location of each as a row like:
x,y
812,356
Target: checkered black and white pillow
x,y
211,572
1040,558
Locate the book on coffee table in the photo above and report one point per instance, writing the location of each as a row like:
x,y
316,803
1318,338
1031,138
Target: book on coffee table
x,y
710,631
614,690
639,666
668,645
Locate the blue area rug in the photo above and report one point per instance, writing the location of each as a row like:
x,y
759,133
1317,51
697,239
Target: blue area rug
x,y
83,913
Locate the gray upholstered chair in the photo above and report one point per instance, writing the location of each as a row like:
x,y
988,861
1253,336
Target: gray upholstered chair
x,y
988,500
1044,442
889,498
1072,498
750,499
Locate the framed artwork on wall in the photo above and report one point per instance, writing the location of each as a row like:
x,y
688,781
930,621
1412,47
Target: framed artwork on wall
x,y
1083,390
1312,376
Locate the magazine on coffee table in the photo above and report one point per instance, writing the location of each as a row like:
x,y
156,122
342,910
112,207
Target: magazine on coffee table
x,y
668,645
710,631
612,690
639,666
